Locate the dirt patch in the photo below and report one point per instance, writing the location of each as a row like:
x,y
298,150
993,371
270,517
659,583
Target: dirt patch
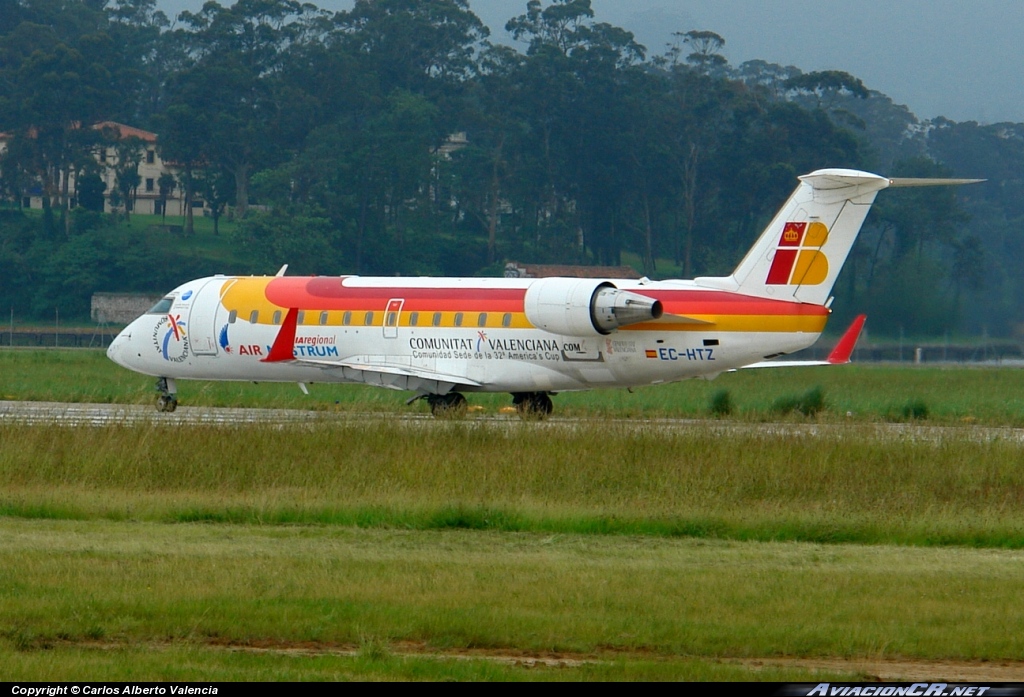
x,y
880,669
900,670
419,650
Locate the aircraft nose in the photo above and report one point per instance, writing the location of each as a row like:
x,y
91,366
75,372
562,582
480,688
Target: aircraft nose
x,y
118,347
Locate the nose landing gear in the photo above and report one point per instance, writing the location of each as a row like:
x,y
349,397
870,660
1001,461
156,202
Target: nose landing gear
x,y
168,399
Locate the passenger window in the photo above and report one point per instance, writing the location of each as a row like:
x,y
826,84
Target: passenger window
x,y
437,319
302,317
481,321
346,318
277,317
506,319
254,317
414,319
323,318
368,320
162,307
232,316
458,319
392,319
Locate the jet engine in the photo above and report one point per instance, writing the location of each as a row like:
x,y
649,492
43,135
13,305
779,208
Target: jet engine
x,y
585,307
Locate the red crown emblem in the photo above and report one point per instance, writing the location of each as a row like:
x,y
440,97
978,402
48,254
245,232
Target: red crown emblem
x,y
791,235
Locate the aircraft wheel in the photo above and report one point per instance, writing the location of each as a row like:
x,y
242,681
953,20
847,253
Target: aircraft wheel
x,y
533,405
451,405
166,403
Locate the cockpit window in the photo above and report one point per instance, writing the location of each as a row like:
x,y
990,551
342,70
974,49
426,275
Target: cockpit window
x,y
162,307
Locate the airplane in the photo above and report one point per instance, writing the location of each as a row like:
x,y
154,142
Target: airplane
x,y
444,338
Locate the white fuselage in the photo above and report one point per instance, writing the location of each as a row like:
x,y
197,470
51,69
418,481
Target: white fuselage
x,y
471,335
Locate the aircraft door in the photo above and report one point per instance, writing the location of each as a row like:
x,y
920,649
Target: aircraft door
x,y
202,318
392,317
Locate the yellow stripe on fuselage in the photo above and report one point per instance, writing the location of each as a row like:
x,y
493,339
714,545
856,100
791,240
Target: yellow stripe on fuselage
x,y
813,324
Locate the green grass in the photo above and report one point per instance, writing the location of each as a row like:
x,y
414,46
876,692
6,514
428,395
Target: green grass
x,y
202,243
954,395
202,663
849,485
355,548
449,592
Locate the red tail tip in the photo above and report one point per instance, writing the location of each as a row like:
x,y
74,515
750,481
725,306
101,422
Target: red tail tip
x,y
844,349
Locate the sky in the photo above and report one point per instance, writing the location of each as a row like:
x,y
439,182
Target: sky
x,y
961,59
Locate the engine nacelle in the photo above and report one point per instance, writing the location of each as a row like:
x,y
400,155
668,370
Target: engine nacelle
x,y
585,307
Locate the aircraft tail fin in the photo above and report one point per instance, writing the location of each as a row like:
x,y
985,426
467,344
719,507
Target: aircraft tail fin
x,y
799,255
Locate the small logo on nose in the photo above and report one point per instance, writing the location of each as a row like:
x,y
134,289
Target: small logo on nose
x,y
170,338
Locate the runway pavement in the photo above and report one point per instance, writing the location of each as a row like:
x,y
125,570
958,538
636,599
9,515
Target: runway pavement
x,y
71,414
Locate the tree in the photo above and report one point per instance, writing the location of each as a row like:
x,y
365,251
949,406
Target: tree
x,y
165,185
969,269
217,189
574,89
920,217
90,189
706,56
128,155
50,94
182,140
237,56
495,131
420,46
137,30
827,88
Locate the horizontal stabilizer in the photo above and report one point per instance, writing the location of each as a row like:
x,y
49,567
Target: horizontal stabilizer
x,y
840,354
844,349
910,181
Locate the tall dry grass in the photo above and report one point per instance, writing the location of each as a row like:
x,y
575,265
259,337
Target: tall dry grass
x,y
846,484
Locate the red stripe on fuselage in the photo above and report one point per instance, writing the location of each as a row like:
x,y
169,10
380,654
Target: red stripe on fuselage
x,y
705,302
330,293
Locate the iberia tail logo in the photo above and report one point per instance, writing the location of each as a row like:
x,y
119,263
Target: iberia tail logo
x,y
798,259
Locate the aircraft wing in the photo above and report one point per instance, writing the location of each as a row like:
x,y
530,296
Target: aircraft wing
x,y
372,370
840,354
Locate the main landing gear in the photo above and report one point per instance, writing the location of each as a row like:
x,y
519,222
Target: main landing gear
x,y
168,399
532,405
529,405
451,405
